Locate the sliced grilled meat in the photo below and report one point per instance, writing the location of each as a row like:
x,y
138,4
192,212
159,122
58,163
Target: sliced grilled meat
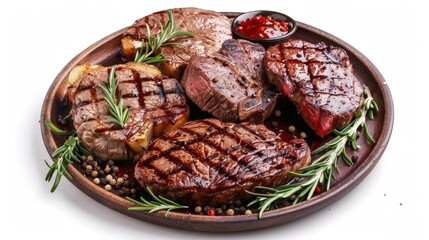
x,y
157,104
231,84
318,79
211,162
210,30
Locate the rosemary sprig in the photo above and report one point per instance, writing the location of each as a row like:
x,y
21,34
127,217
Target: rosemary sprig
x,y
70,151
157,204
118,114
321,170
154,43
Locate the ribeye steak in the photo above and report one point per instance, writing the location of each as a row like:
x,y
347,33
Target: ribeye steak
x,y
231,84
318,79
210,30
211,162
152,98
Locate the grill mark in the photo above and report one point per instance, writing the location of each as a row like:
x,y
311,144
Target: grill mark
x,y
179,167
167,154
148,93
138,85
140,95
84,103
114,127
172,149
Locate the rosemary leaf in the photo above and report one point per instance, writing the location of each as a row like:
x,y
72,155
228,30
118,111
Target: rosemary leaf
x,y
116,104
156,204
56,129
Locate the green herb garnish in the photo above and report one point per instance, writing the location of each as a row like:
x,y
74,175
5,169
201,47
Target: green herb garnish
x,y
118,114
71,151
157,204
321,170
154,43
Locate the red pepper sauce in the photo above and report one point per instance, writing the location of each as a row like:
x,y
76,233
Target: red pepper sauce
x,y
263,27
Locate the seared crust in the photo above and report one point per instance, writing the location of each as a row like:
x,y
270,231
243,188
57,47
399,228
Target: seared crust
x,y
149,95
319,79
231,84
210,30
211,162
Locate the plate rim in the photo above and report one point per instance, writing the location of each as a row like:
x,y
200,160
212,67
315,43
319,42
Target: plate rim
x,y
227,223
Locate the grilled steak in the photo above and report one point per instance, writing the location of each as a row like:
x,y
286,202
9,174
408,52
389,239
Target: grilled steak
x,y
318,79
152,98
231,84
211,162
210,30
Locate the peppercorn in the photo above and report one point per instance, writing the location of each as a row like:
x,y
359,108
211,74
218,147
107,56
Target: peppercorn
x,y
211,212
318,190
96,181
242,209
291,128
198,209
108,187
112,182
103,181
119,181
248,212
126,183
303,135
206,208
230,212
94,174
277,113
109,177
101,173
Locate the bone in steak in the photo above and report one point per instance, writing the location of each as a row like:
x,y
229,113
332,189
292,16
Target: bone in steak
x,y
150,96
318,79
231,84
210,30
211,162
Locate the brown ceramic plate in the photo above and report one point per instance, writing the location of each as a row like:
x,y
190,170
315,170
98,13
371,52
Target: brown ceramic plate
x,y
105,52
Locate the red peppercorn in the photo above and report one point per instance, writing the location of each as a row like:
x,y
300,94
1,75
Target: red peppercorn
x,y
317,191
211,212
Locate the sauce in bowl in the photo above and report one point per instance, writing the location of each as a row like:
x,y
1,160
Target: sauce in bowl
x,y
262,27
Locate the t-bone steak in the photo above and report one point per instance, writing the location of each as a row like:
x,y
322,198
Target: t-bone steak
x,y
210,30
318,79
231,84
156,103
211,162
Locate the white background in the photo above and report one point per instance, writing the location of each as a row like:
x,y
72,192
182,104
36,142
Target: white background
x,y
40,37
